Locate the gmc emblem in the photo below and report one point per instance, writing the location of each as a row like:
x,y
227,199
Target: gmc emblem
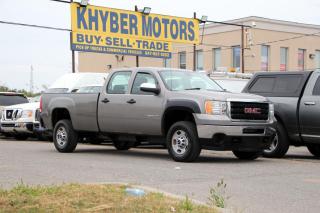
x,y
249,110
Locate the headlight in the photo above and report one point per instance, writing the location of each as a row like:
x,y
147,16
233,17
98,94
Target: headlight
x,y
216,107
271,109
25,114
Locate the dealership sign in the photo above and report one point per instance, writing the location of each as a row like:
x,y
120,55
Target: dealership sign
x,y
107,30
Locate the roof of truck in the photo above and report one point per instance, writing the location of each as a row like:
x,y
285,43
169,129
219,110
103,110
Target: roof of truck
x,y
12,93
284,73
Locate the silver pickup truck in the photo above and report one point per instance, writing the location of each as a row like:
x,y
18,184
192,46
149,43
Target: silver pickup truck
x,y
185,110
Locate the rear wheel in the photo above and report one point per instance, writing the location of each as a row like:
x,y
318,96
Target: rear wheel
x,y
314,149
183,142
65,139
280,144
247,155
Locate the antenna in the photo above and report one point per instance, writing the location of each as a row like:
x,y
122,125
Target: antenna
x,y
31,79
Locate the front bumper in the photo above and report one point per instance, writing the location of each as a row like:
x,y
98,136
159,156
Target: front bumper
x,y
224,134
18,127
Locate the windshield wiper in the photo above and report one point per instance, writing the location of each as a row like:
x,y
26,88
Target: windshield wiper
x,y
195,88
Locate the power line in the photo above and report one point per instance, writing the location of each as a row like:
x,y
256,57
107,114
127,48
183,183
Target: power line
x,y
34,25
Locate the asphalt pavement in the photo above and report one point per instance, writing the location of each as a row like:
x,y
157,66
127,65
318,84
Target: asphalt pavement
x,y
290,185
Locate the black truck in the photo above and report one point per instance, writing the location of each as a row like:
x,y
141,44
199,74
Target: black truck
x,y
296,98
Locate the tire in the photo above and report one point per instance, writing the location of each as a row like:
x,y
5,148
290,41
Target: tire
x,y
65,139
247,155
183,142
314,149
280,145
21,137
122,145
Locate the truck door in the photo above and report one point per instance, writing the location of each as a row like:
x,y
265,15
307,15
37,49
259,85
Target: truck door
x,y
145,108
112,105
310,110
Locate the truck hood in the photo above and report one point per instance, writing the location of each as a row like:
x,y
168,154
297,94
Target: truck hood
x,y
222,96
26,106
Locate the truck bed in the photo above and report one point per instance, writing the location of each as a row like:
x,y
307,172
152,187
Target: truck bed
x,y
81,106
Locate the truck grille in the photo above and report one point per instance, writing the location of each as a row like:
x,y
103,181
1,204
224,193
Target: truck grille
x,y
249,111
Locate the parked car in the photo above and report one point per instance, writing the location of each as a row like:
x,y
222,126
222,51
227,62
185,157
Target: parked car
x,y
186,110
21,121
72,82
232,82
296,97
11,98
90,89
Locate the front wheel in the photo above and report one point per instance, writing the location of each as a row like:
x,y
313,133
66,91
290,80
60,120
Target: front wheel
x,y
183,142
280,144
65,139
247,155
314,149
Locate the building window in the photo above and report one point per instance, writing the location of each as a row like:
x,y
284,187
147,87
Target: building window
x,y
301,59
283,59
199,60
317,59
166,62
265,57
182,60
216,58
236,57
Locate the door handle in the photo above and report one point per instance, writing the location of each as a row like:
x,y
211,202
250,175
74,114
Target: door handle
x,y
309,103
131,101
106,100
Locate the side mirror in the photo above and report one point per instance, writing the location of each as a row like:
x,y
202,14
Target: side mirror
x,y
147,87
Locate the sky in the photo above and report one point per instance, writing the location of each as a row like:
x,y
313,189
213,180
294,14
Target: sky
x,y
48,51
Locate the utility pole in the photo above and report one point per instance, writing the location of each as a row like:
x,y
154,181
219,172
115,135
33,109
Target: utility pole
x,y
194,48
242,49
243,27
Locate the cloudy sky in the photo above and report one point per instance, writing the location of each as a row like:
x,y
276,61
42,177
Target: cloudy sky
x,y
48,51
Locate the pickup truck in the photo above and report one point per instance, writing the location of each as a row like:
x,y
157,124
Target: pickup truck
x,y
185,110
8,99
296,98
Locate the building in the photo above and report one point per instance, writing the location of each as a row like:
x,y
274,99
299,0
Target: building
x,y
270,45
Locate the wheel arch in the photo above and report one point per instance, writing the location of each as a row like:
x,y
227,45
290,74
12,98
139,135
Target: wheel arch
x,y
178,110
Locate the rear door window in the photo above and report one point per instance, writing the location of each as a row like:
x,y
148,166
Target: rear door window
x,y
119,83
7,100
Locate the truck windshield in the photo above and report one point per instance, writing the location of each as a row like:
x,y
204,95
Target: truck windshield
x,y
187,80
7,100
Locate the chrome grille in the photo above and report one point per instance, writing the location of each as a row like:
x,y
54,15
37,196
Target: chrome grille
x,y
249,111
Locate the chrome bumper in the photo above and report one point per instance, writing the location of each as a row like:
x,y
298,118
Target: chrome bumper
x,y
209,131
208,126
15,127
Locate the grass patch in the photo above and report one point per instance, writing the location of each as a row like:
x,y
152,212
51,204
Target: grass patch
x,y
90,198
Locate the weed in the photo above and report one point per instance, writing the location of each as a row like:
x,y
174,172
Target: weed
x,y
217,195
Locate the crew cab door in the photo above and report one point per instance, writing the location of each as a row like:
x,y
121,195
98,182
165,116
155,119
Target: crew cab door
x,y
145,108
112,106
310,110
